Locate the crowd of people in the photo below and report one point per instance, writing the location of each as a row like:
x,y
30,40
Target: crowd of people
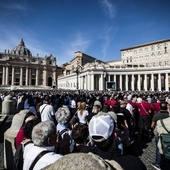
x,y
104,124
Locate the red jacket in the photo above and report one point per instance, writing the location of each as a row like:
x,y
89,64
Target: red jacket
x,y
144,108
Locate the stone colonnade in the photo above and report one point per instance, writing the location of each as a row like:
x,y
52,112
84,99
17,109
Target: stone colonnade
x,y
141,81
19,76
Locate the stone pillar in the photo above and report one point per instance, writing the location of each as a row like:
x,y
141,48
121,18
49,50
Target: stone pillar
x,y
139,83
21,76
92,81
101,87
8,105
9,135
37,77
159,82
45,76
88,81
26,77
152,82
108,77
114,77
145,82
7,76
126,82
30,77
166,82
115,81
82,82
13,75
3,76
132,83
120,82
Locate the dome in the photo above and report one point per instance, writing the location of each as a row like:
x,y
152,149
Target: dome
x,y
21,49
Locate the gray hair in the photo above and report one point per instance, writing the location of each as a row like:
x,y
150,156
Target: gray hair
x,y
82,161
63,115
42,131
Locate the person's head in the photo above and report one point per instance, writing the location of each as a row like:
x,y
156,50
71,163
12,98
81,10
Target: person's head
x,y
63,115
29,126
44,134
28,117
88,161
97,98
105,108
47,99
78,105
82,106
123,103
116,107
101,130
80,133
96,109
139,100
163,106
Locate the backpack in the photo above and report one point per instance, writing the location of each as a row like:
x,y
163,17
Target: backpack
x,y
63,147
165,142
18,157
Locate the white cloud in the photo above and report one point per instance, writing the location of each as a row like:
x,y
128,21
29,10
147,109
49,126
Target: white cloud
x,y
107,39
109,8
70,46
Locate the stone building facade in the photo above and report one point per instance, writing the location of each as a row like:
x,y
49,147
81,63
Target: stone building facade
x,y
18,68
142,67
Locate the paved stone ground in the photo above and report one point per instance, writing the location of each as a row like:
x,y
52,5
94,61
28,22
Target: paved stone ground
x,y
146,151
148,155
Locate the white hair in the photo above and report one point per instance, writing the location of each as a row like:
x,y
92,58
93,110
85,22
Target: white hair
x,y
139,100
62,115
42,131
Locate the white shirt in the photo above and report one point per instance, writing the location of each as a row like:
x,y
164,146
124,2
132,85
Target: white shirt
x,y
82,118
130,108
31,152
46,111
73,104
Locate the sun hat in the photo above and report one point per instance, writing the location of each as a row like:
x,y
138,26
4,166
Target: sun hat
x,y
101,125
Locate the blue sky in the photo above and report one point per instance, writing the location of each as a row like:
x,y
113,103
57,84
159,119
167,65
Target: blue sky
x,y
100,28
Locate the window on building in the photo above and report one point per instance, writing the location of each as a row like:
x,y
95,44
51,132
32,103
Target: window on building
x,y
50,62
158,47
33,60
17,69
141,50
33,71
146,49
